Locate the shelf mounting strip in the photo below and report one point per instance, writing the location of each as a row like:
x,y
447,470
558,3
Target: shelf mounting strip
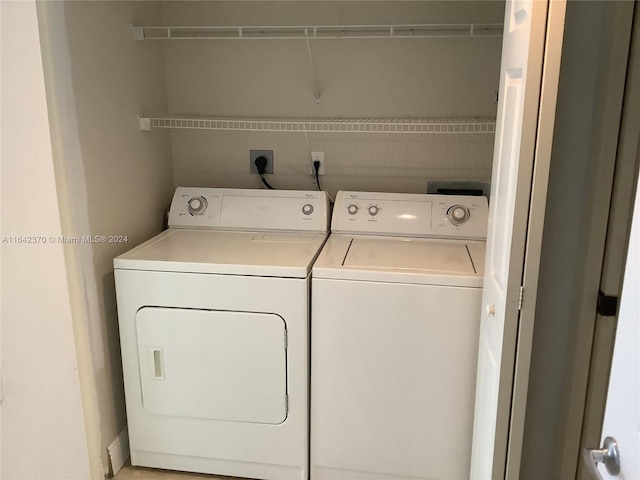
x,y
425,126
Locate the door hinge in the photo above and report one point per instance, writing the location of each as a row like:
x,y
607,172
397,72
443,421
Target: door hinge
x,y
607,305
520,297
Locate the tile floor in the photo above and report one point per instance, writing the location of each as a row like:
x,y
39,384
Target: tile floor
x,y
140,473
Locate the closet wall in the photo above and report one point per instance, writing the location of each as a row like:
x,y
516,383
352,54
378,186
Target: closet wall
x,y
42,428
390,78
112,179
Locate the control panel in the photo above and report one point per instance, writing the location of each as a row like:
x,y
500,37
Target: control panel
x,y
408,214
248,209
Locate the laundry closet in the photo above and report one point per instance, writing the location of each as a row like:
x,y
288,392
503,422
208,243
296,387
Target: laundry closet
x,y
149,96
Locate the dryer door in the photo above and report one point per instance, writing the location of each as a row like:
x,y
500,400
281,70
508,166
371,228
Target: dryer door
x,y
213,364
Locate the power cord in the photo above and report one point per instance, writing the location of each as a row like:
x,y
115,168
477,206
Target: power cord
x,y
261,165
316,167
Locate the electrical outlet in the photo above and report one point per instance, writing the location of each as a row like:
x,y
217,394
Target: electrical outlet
x,y
253,154
317,156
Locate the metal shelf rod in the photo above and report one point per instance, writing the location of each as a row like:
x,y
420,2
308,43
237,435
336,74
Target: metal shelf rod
x,y
316,90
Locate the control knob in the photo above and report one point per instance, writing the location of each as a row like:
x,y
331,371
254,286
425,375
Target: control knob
x,y
458,214
197,205
373,210
307,209
352,209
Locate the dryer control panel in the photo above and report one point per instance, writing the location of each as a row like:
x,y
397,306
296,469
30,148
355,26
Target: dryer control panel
x,y
408,214
249,209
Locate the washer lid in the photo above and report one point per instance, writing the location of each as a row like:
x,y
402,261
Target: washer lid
x,y
441,257
270,254
402,260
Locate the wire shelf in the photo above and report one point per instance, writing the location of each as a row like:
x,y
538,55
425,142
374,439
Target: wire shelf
x,y
407,126
315,31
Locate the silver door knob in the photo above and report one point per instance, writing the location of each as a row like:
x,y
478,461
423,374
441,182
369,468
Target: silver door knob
x,y
608,454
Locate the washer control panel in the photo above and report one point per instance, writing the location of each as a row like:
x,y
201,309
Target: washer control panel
x,y
248,209
410,214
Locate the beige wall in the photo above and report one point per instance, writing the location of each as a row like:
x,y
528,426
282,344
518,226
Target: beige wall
x,y
43,431
356,78
113,179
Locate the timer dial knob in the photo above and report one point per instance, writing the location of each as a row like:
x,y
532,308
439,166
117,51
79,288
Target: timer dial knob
x,y
307,209
373,210
197,205
352,209
458,214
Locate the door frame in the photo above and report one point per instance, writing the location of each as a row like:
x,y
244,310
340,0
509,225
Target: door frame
x,y
607,118
625,180
570,355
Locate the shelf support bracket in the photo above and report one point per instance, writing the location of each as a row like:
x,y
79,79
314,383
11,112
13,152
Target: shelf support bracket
x,y
137,32
144,123
316,90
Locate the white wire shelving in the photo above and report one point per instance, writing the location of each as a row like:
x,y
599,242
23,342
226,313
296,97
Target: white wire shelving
x,y
389,126
319,32
315,31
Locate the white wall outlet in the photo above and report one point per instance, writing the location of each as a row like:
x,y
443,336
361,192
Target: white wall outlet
x,y
317,156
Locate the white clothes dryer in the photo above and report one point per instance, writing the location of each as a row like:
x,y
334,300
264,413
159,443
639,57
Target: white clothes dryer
x,y
395,323
214,331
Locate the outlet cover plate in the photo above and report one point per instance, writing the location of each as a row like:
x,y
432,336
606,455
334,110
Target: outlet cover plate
x,y
253,154
320,157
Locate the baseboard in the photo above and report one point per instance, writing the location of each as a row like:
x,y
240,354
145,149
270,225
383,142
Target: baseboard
x,y
118,452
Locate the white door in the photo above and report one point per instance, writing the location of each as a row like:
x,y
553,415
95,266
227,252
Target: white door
x,y
518,142
622,414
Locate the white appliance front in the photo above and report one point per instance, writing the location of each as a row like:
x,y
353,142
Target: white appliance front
x,y
214,331
393,380
395,323
210,394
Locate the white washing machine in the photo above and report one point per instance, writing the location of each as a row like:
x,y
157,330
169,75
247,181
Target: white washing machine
x,y
395,322
214,331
